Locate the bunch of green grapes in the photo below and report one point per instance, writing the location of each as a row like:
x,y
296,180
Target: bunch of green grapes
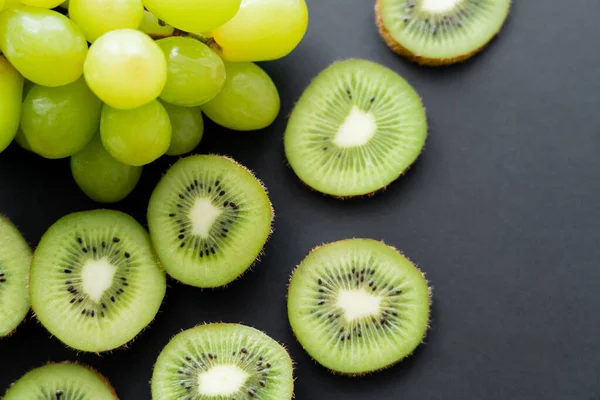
x,y
116,84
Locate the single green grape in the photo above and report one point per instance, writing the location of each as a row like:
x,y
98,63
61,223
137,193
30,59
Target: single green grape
x,y
137,136
43,45
57,122
187,127
100,176
195,74
151,26
126,69
1,5
248,101
194,15
12,4
262,30
42,3
11,92
96,17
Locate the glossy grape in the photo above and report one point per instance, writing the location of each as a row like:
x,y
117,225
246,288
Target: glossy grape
x,y
262,30
100,176
187,127
248,101
194,15
137,136
43,45
11,91
151,26
42,3
58,122
96,17
195,74
126,69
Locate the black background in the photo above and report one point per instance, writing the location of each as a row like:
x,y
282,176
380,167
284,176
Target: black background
x,y
501,211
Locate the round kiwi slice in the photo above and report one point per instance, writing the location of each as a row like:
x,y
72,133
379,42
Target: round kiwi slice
x,y
440,32
209,220
358,306
61,381
223,361
355,129
95,282
15,258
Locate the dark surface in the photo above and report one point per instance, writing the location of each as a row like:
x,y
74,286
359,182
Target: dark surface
x,y
501,212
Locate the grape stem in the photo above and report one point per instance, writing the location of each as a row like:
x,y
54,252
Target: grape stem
x,y
207,40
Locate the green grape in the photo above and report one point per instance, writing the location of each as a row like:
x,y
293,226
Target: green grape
x,y
11,92
137,136
195,74
57,122
42,3
187,128
126,69
262,30
65,5
151,26
194,15
96,17
43,45
100,176
248,101
1,5
12,4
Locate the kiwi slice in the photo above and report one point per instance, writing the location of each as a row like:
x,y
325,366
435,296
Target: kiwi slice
x,y
95,282
223,362
15,258
355,129
440,32
209,219
61,381
358,306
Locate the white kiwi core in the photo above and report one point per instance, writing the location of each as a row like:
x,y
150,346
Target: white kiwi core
x,y
438,6
358,304
358,128
222,380
96,277
203,215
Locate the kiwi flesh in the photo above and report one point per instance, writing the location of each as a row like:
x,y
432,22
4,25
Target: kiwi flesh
x,y
95,282
15,259
61,381
356,128
223,361
209,219
358,306
440,32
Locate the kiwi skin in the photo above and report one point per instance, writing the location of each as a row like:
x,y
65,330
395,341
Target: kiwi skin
x,y
262,251
98,374
338,373
425,61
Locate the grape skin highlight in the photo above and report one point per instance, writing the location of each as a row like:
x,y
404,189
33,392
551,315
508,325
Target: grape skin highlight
x,y
137,136
262,30
248,101
195,74
46,47
58,122
96,17
126,69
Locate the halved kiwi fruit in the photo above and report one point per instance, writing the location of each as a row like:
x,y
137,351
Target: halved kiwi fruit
x,y
358,306
355,129
440,32
209,219
61,381
15,259
223,361
95,281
